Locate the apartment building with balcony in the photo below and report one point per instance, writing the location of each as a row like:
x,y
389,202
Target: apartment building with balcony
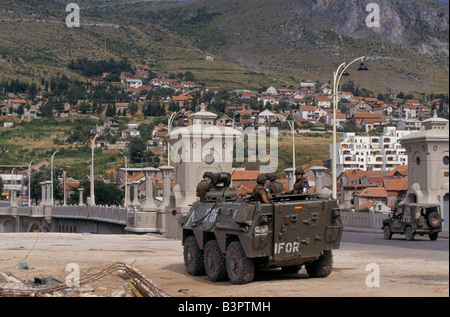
x,y
371,153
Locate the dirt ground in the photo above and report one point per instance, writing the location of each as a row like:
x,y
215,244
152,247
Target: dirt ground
x,y
161,260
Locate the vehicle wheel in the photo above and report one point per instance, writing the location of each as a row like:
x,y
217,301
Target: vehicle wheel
x,y
193,257
322,266
387,233
409,233
433,236
215,267
434,219
293,269
240,268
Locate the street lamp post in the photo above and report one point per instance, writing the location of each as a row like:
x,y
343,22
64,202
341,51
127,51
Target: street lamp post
x,y
29,184
13,183
341,71
92,170
125,203
169,129
51,178
291,123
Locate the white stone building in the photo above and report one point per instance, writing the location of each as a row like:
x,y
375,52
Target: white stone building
x,y
371,153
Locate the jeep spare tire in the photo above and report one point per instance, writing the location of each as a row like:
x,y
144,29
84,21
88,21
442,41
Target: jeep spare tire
x,y
434,219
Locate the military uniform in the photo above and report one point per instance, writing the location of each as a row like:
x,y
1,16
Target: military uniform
x,y
300,186
259,192
202,188
275,187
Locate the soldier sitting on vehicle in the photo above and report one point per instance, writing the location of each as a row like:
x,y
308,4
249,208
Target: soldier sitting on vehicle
x,y
301,183
259,191
204,186
274,186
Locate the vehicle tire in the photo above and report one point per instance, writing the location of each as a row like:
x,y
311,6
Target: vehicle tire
x,y
322,266
387,233
293,269
433,236
214,260
434,219
193,257
409,233
240,268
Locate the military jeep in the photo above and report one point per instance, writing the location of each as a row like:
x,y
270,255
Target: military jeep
x,y
411,219
228,237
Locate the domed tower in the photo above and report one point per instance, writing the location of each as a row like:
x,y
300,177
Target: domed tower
x,y
428,164
196,149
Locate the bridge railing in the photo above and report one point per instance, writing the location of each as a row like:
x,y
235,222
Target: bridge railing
x,y
112,214
363,219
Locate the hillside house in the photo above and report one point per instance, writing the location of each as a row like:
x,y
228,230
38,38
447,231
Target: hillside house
x,y
369,194
122,106
341,119
346,95
326,89
296,101
406,124
234,106
371,123
407,111
142,68
323,102
266,116
112,125
247,116
412,102
359,107
358,118
183,99
307,112
271,91
133,82
225,121
188,84
396,190
269,100
130,132
308,85
212,89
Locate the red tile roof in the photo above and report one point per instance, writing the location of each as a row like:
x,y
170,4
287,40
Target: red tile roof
x,y
396,184
374,192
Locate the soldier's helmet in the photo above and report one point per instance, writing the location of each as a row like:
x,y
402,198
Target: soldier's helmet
x,y
299,170
261,179
208,174
271,176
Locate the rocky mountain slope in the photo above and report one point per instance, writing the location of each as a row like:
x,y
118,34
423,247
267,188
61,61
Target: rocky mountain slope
x,y
304,38
291,39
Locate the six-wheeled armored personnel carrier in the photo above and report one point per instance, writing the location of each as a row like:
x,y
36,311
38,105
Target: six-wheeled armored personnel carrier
x,y
226,236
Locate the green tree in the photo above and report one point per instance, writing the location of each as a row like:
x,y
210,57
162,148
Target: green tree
x,y
136,148
133,108
43,175
84,107
105,194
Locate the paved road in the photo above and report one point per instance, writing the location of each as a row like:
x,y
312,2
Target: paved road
x,y
421,247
